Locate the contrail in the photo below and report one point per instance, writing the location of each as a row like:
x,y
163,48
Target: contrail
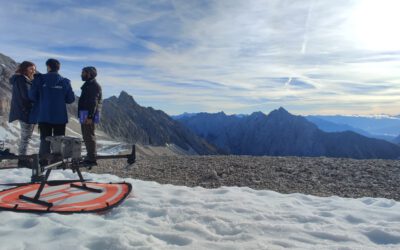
x,y
305,37
288,82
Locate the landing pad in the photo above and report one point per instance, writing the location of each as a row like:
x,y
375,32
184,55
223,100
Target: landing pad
x,y
65,198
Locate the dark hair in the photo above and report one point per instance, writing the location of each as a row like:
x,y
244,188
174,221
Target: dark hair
x,y
53,64
91,71
23,67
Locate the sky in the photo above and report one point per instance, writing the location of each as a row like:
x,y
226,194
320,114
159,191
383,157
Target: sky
x,y
308,56
159,216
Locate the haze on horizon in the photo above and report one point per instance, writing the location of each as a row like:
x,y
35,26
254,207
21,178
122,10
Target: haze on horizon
x,y
309,56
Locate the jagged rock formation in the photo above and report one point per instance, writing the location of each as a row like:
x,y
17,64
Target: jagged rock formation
x,y
7,69
123,118
283,134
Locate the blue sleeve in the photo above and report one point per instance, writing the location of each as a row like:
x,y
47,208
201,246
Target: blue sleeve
x,y
70,96
33,93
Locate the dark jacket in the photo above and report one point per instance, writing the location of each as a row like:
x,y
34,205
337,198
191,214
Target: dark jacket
x,y
21,106
91,98
51,92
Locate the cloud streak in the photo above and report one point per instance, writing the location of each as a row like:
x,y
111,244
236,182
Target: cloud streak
x,y
236,56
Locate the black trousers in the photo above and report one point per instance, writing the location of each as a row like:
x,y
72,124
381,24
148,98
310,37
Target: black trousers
x,y
89,138
47,129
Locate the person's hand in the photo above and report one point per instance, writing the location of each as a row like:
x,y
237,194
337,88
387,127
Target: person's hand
x,y
88,121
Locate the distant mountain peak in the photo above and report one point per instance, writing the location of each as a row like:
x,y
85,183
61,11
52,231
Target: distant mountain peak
x,y
281,112
124,94
218,114
258,114
125,97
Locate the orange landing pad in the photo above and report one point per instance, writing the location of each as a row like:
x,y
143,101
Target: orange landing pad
x,y
65,198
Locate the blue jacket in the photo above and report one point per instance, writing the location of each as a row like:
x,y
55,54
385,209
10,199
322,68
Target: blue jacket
x,y
22,108
51,92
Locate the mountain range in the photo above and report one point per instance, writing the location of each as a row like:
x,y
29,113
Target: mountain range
x,y
282,134
381,126
278,133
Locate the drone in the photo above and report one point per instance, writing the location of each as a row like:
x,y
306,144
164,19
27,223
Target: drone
x,y
61,196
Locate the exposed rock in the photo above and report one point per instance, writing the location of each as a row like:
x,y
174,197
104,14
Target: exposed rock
x,y
7,69
319,176
124,119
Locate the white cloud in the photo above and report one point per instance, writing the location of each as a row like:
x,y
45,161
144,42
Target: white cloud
x,y
172,50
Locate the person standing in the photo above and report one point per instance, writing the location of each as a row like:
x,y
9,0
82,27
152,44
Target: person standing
x,y
51,92
89,107
21,106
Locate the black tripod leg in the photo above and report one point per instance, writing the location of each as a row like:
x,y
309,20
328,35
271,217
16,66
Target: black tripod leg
x,y
39,192
84,187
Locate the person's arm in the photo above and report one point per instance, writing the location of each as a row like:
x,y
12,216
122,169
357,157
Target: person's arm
x,y
34,92
70,96
94,100
22,87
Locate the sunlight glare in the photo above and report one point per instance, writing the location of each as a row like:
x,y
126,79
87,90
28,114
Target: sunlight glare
x,y
375,25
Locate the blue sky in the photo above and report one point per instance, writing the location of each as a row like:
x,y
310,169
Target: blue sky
x,y
309,56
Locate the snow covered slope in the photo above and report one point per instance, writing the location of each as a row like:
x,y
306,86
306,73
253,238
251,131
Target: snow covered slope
x,y
176,217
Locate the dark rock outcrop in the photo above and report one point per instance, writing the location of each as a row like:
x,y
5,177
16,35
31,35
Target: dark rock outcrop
x,y
123,118
7,69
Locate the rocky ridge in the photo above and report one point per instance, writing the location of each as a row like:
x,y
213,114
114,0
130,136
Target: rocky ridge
x,y
124,119
319,176
7,68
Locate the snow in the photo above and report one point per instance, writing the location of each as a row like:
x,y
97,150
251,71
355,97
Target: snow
x,y
159,216
10,133
383,116
72,132
7,134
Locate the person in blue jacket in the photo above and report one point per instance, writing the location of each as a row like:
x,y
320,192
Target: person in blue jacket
x,y
21,107
51,92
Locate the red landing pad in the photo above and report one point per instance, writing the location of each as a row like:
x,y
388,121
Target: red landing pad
x,y
65,198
